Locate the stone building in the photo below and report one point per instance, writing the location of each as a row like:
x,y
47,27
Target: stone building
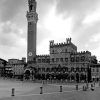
x,y
15,68
2,66
95,72
63,62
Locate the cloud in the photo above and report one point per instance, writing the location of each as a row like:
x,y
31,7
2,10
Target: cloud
x,y
10,8
79,9
86,21
76,6
12,40
92,17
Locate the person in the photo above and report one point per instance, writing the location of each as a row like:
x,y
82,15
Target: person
x,y
92,87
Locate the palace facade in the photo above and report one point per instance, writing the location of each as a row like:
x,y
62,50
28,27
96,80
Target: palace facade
x,y
64,62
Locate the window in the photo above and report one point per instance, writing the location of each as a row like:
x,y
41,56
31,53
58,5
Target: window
x,y
47,60
66,59
82,69
77,59
43,69
52,59
66,69
57,59
93,70
72,59
72,69
97,70
53,51
48,69
43,60
77,69
39,60
30,23
65,50
39,69
61,59
82,58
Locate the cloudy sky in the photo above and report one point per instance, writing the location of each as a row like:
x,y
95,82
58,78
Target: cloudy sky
x,y
58,20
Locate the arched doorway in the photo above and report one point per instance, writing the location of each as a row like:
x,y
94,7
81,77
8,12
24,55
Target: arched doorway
x,y
27,74
72,77
77,77
83,77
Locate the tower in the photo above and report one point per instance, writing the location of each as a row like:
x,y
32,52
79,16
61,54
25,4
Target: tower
x,y
32,18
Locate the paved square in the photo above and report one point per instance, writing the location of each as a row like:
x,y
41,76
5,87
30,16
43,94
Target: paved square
x,y
31,91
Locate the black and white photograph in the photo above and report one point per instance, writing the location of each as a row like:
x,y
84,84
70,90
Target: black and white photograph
x,y
49,49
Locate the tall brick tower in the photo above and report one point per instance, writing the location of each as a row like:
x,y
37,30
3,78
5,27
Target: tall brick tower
x,y
32,18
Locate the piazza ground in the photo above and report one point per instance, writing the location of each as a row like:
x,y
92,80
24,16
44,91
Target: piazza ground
x,y
31,91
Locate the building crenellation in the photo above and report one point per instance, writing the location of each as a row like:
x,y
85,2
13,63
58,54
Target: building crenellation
x,y
68,42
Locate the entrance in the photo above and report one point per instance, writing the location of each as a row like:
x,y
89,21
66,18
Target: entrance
x,y
27,74
77,77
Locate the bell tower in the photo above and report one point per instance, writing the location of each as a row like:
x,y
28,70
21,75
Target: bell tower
x,y
32,18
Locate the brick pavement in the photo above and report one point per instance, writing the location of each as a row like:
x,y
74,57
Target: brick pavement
x,y
72,95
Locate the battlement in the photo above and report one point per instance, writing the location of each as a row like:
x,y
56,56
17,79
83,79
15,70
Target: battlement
x,y
67,43
83,52
43,56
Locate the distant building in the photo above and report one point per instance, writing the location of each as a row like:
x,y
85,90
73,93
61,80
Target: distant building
x,y
2,66
15,67
95,72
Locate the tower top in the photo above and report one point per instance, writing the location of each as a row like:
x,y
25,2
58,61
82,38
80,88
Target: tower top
x,y
31,1
32,5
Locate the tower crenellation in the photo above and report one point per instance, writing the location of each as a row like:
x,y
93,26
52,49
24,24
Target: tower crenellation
x,y
32,5
51,42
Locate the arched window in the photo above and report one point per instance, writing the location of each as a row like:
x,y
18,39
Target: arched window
x,y
53,51
83,58
66,50
66,59
52,59
77,59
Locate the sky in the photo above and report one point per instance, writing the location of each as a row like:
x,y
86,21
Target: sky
x,y
58,20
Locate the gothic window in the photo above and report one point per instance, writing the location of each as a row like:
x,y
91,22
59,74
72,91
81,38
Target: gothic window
x,y
82,58
82,69
77,59
85,69
61,59
57,59
47,60
66,59
43,69
39,69
53,51
48,69
52,59
30,23
39,60
34,59
72,69
97,70
65,50
66,69
31,6
77,69
72,59
43,60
